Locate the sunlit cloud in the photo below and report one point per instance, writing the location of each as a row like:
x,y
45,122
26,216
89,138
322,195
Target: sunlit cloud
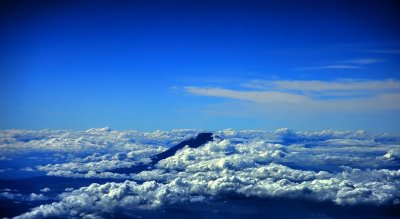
x,y
343,167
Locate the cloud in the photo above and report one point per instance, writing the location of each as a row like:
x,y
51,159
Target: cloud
x,y
28,169
328,95
254,96
81,154
352,186
62,142
329,67
2,158
393,154
383,51
362,61
45,190
357,63
99,166
22,197
343,85
5,170
343,167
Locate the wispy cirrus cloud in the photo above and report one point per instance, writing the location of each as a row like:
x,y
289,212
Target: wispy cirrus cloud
x,y
338,94
317,85
254,96
357,63
328,67
362,61
383,51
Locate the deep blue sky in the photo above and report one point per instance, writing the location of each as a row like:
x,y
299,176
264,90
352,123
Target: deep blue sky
x,y
127,64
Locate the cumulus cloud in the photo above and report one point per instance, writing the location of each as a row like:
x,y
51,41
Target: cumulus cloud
x,y
28,169
22,197
352,186
45,190
99,139
105,139
393,154
345,168
99,166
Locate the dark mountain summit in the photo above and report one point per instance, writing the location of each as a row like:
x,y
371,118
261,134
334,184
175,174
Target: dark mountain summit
x,y
195,142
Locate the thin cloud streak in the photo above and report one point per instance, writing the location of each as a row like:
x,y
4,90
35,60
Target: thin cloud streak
x,y
253,96
357,63
363,61
383,51
328,67
337,95
319,86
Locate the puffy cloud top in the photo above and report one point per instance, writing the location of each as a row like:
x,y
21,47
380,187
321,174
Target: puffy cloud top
x,y
345,168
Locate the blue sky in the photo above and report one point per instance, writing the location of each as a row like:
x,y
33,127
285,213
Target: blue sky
x,y
146,65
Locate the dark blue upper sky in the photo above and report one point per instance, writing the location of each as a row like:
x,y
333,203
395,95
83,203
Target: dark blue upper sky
x,y
128,64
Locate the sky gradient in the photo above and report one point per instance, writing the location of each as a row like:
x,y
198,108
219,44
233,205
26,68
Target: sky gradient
x,y
147,65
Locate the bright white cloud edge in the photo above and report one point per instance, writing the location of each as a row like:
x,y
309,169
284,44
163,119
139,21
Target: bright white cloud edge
x,y
245,163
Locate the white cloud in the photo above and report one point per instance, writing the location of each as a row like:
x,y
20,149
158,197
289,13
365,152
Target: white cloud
x,y
342,66
357,63
28,169
253,96
45,190
347,85
393,154
74,142
350,187
4,158
99,166
22,197
362,61
383,51
356,95
5,170
346,168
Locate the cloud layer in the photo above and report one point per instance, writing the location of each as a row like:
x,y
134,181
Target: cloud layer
x,y
345,168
